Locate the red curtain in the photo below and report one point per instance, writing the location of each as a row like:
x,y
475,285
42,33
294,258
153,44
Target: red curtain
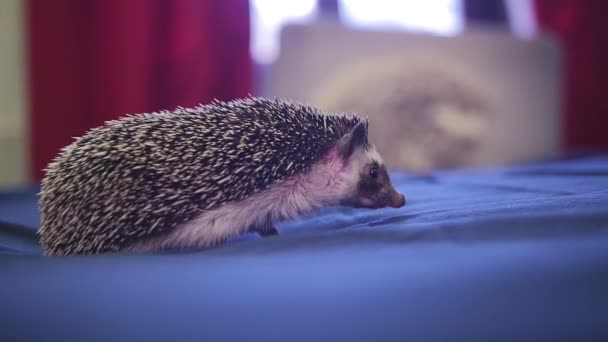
x,y
95,60
582,28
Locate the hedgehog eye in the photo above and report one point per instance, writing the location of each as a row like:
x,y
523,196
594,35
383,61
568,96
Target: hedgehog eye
x,y
373,172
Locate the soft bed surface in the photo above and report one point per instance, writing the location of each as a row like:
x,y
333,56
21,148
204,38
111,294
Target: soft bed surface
x,y
518,253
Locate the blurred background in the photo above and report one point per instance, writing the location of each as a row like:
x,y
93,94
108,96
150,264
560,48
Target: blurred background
x,y
445,83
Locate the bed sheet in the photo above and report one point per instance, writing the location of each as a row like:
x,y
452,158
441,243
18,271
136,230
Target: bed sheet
x,y
513,253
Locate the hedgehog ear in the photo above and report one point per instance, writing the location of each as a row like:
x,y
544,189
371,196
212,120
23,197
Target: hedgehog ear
x,y
351,140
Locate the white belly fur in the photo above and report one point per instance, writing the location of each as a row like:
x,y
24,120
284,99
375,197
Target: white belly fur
x,y
322,186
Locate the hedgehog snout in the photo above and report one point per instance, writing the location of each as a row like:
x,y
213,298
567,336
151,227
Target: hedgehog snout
x,y
397,200
390,198
381,199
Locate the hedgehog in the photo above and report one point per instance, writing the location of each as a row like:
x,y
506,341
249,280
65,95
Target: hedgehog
x,y
193,178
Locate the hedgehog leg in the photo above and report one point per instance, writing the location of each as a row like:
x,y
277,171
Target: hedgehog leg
x,y
264,228
267,230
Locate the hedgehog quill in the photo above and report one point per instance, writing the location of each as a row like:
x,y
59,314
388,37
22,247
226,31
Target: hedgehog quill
x,y
196,177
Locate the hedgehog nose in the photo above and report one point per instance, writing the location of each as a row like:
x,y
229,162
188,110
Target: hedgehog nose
x,y
398,201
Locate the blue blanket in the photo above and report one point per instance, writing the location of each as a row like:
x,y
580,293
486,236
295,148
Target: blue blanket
x,y
514,253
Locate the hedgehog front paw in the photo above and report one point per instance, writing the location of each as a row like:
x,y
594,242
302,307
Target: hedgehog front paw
x,y
268,230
